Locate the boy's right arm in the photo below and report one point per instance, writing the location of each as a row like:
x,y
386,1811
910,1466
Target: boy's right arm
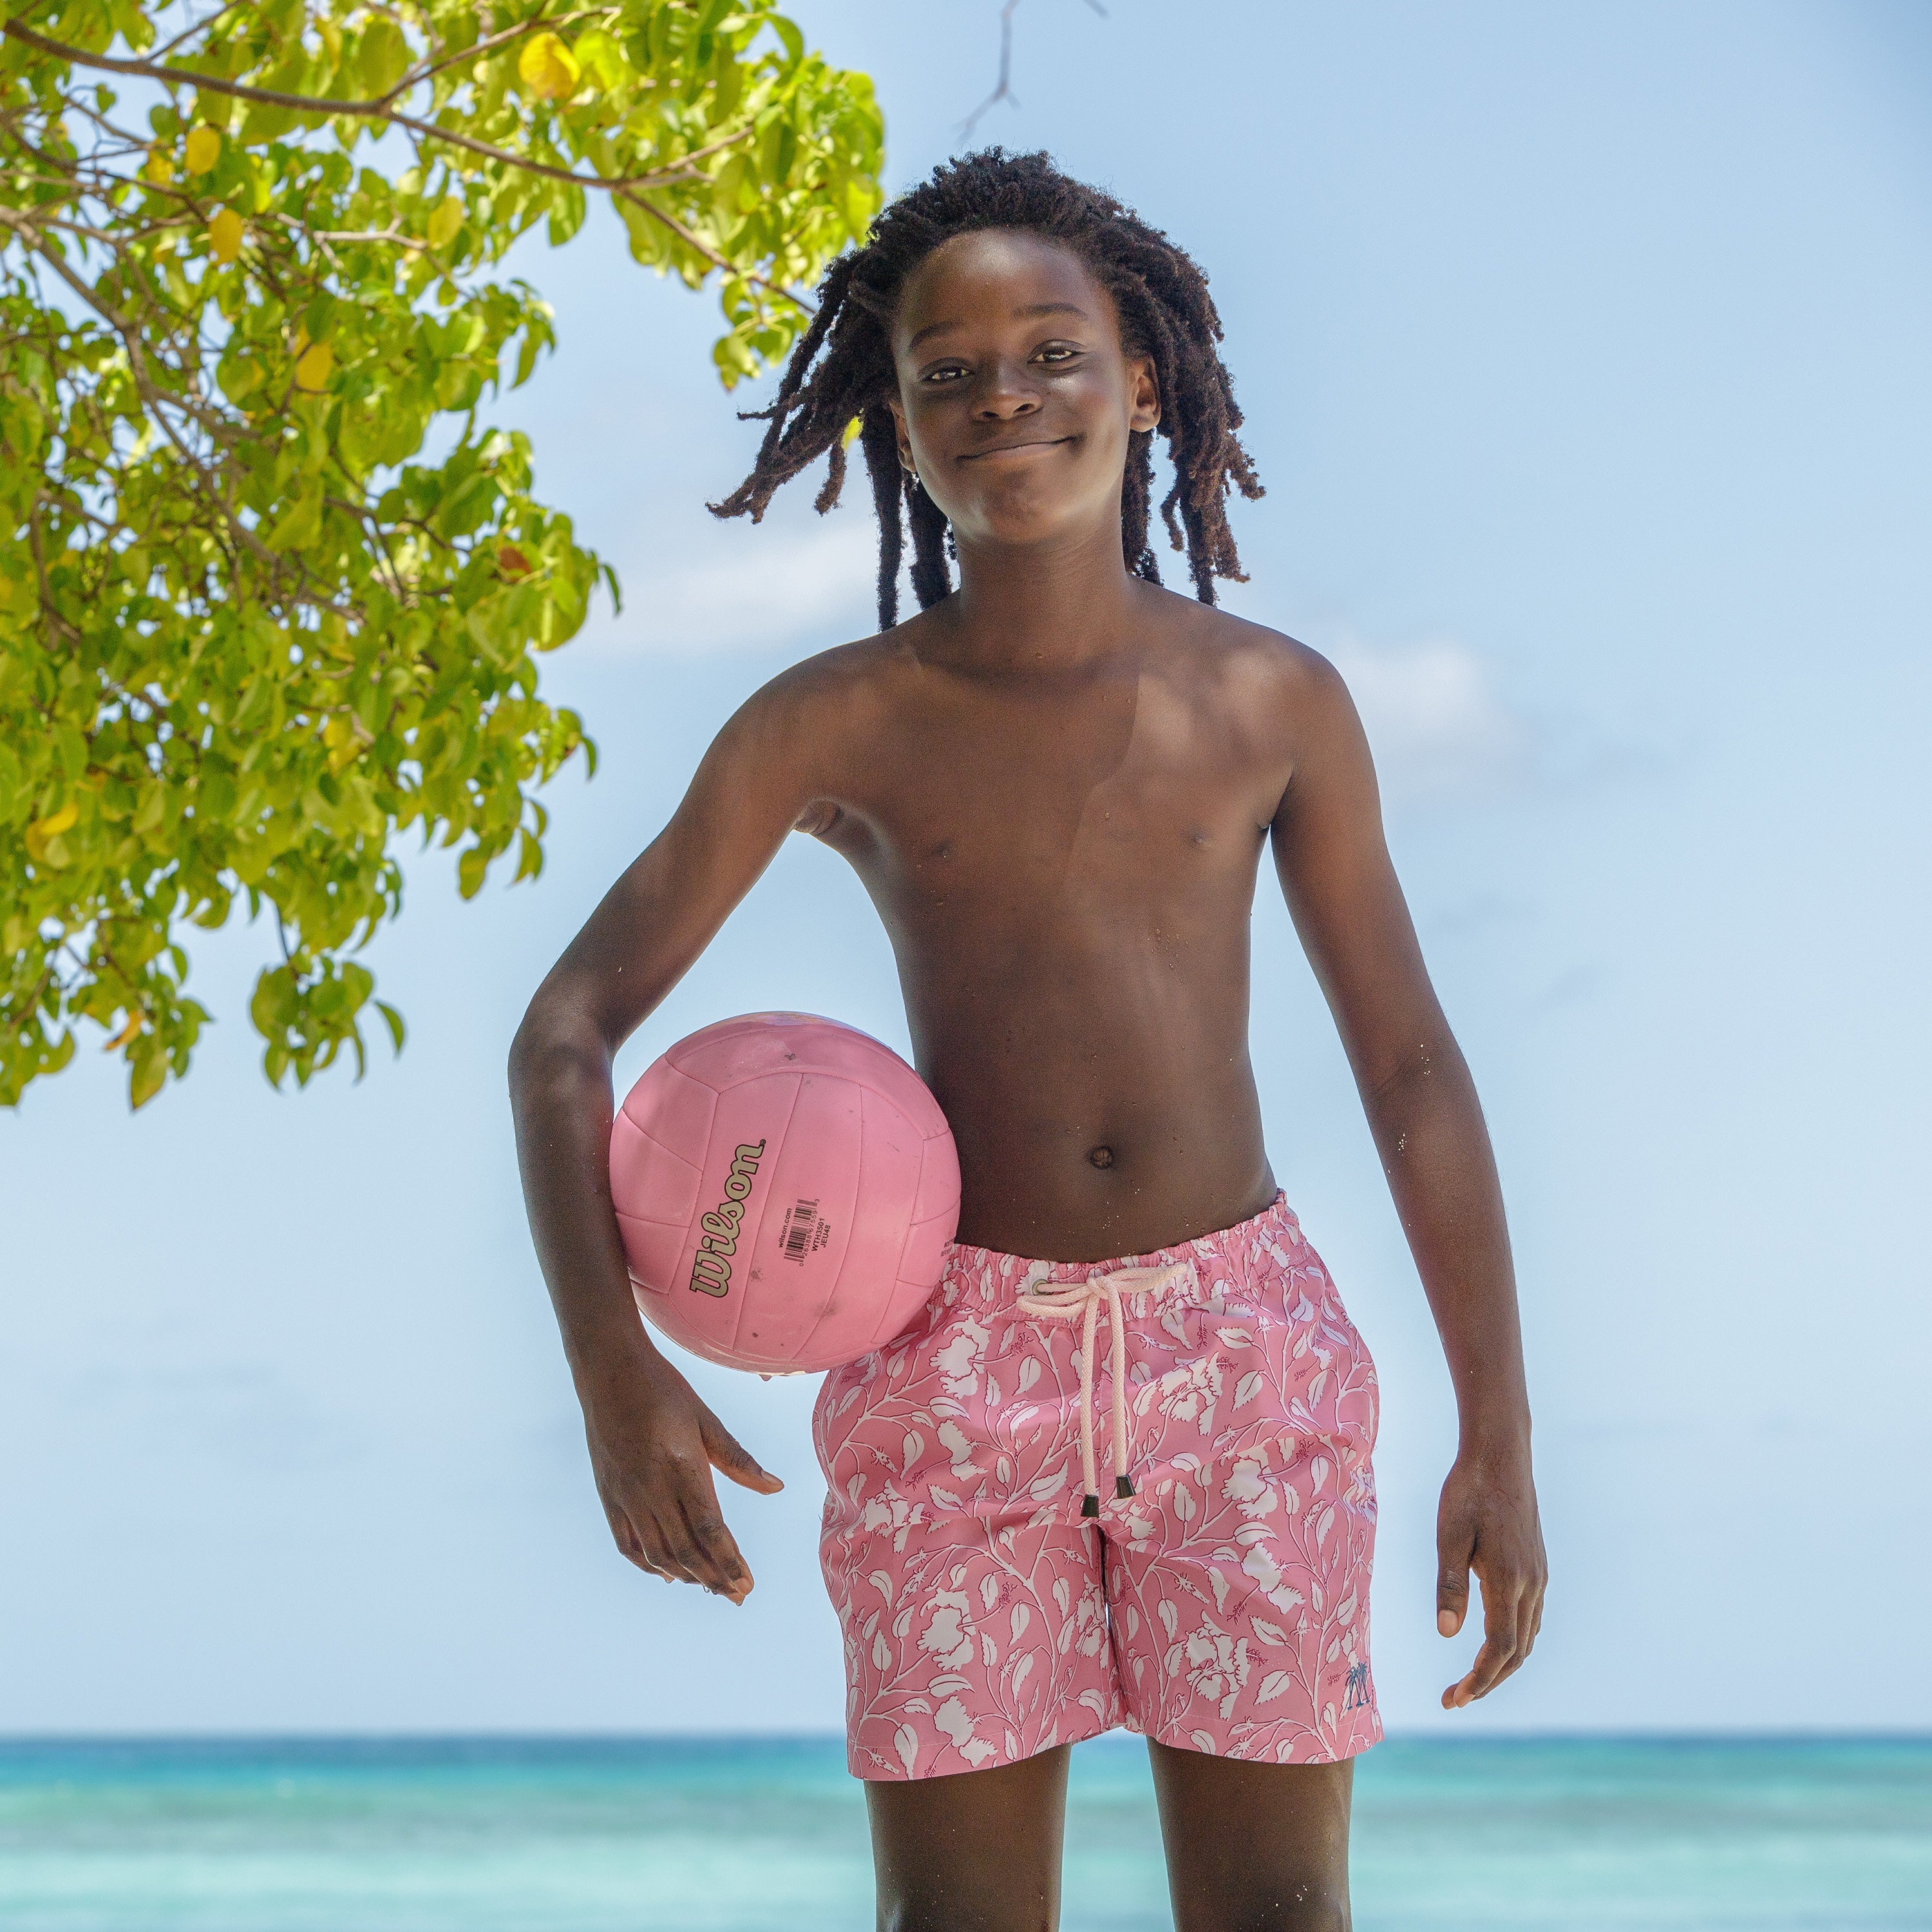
x,y
653,1444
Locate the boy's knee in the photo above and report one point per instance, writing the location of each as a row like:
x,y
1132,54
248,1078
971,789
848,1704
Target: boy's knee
x,y
1314,1905
931,1912
1299,1904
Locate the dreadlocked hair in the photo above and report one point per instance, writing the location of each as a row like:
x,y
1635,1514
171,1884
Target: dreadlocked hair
x,y
841,371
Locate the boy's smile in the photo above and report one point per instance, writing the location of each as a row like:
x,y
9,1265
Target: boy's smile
x,y
1001,451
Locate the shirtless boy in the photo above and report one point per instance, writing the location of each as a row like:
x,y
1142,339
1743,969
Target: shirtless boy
x,y
1056,780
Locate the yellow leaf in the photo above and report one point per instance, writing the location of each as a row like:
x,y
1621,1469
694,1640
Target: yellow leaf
x,y
445,218
224,236
204,149
55,823
130,1031
339,736
548,68
312,371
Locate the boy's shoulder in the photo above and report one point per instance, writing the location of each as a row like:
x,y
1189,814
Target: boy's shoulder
x,y
1240,663
831,692
839,676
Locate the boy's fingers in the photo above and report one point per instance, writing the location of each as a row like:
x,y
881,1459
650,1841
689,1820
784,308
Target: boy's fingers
x,y
678,1554
1452,1593
716,1557
649,1557
1529,1621
1498,1656
731,1458
659,1557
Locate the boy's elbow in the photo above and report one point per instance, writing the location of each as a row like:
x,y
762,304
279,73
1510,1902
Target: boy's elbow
x,y
526,1051
548,1036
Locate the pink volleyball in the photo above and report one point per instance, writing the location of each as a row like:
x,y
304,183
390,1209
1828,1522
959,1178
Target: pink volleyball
x,y
785,1187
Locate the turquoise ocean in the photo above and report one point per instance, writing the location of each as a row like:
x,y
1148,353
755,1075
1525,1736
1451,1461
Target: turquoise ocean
x,y
768,1835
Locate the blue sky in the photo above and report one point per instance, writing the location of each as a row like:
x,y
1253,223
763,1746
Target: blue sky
x,y
1583,351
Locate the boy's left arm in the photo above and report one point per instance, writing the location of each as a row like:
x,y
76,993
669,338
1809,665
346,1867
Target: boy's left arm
x,y
1428,1126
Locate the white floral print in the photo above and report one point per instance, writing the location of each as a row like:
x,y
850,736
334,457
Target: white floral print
x,y
1222,1607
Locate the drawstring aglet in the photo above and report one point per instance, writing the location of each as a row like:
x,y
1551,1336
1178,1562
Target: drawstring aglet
x,y
1090,1504
1123,1486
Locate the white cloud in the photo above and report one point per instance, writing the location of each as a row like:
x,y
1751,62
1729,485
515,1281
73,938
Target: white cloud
x,y
748,586
1437,728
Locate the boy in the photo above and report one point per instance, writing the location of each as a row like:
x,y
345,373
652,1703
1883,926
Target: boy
x,y
1056,782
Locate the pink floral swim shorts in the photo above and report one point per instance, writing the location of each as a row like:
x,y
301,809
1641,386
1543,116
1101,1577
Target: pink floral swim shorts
x,y
1076,1496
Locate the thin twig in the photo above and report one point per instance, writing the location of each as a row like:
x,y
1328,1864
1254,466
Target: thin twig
x,y
188,33
711,254
1002,90
417,76
395,235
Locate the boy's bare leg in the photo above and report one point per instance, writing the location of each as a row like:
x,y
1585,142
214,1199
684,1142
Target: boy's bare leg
x,y
1254,1847
976,1852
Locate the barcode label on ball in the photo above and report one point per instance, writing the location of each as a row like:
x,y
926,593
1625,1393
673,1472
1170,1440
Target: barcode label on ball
x,y
806,1230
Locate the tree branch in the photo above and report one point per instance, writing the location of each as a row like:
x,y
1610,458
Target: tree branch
x,y
378,109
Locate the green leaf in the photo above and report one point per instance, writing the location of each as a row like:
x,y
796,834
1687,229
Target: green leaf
x,y
529,858
794,40
384,58
602,60
470,869
148,1069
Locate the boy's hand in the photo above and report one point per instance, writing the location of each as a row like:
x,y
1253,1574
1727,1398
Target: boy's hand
x,y
653,1445
1487,1523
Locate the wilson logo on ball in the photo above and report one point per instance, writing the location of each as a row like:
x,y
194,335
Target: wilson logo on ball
x,y
711,1273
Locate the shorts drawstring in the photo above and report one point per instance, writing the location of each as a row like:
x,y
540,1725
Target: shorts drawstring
x,y
1061,1300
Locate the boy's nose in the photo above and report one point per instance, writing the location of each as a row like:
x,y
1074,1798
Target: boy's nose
x,y
1005,392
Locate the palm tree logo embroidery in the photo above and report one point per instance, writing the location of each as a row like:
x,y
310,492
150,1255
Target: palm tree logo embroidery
x,y
1357,1693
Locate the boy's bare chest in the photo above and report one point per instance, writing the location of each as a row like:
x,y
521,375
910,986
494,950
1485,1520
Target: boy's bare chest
x,y
1134,793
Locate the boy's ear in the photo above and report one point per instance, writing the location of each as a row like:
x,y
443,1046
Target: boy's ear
x,y
1144,391
898,423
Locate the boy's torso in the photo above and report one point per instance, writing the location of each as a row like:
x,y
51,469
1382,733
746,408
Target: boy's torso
x,y
1065,861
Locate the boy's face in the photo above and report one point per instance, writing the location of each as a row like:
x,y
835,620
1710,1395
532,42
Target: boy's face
x,y
1015,397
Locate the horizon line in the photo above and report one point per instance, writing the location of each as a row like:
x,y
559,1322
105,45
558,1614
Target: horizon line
x,y
1735,1734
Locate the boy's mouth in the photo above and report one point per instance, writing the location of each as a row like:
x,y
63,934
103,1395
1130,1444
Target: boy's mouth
x,y
1033,446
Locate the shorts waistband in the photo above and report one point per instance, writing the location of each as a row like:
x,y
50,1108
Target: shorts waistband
x,y
999,1275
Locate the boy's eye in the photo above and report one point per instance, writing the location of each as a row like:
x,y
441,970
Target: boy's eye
x,y
1057,351
946,373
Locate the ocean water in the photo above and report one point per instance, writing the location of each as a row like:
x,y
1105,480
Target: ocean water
x,y
768,1835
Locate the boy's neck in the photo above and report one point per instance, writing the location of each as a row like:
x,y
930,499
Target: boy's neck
x,y
1056,606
